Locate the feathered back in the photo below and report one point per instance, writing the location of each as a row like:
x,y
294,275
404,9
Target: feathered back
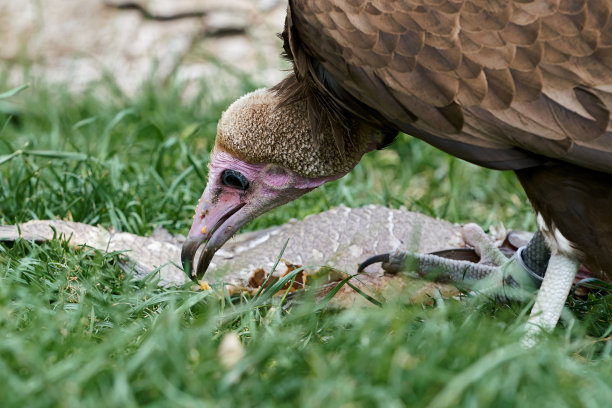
x,y
505,84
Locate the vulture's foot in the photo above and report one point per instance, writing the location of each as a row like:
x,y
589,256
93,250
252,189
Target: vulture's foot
x,y
430,266
553,275
525,269
531,267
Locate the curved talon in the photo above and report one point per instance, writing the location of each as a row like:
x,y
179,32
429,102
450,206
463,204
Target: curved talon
x,y
372,260
392,262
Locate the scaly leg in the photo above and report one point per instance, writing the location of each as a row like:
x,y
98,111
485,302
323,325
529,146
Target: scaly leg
x,y
556,284
493,262
533,259
551,297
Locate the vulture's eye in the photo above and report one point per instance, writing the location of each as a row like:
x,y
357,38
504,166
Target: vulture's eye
x,y
235,179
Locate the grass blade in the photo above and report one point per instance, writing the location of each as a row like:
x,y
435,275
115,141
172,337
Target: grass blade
x,y
13,91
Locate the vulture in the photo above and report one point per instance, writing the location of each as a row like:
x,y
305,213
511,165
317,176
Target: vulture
x,y
521,85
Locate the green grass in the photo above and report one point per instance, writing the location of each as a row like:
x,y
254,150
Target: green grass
x,y
78,331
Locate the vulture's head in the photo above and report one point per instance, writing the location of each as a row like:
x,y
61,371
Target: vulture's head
x,y
264,156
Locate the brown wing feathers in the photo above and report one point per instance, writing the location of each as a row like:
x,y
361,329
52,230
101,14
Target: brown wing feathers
x,y
541,70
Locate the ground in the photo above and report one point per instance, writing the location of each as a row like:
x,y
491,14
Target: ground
x,y
77,330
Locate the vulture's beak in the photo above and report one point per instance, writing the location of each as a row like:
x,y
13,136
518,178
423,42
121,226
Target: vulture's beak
x,y
217,218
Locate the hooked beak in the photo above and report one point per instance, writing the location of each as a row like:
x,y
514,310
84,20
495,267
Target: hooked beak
x,y
214,224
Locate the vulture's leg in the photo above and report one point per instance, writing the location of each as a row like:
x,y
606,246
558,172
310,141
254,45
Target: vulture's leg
x,y
555,274
429,265
573,206
551,297
530,261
